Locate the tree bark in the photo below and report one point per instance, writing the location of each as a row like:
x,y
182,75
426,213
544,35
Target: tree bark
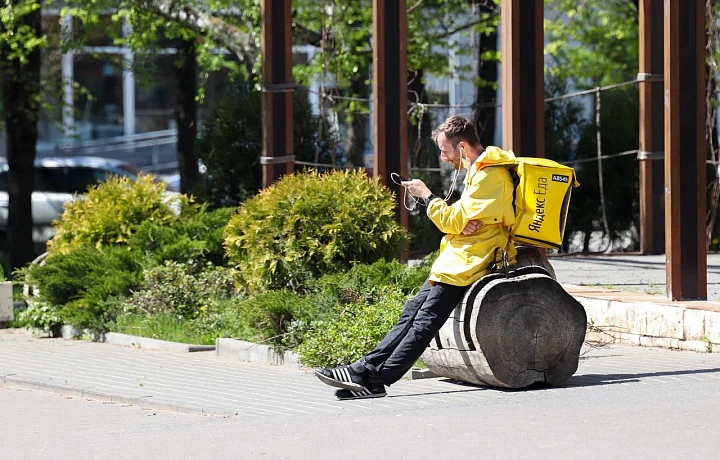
x,y
186,114
511,331
21,88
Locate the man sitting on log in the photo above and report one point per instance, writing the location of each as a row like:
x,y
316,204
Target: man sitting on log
x,y
475,226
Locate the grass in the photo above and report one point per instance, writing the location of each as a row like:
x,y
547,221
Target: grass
x,y
163,327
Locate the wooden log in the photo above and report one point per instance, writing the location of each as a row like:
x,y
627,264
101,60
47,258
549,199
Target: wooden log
x,y
511,330
529,256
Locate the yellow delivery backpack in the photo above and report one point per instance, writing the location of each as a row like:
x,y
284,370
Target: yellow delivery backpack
x,y
542,200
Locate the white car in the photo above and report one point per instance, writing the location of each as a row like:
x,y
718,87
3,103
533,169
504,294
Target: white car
x,y
56,181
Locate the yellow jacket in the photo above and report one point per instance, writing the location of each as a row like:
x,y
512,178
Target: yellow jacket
x,y
488,197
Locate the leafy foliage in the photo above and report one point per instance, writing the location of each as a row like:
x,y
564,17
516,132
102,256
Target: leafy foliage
x,y
193,237
309,224
39,315
356,328
230,145
593,43
278,318
181,290
81,283
112,211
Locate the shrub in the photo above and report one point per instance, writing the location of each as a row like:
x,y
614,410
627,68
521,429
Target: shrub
x,y
357,329
82,284
279,318
362,279
306,225
180,290
112,211
39,315
194,237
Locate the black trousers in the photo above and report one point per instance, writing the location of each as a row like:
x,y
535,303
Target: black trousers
x,y
421,318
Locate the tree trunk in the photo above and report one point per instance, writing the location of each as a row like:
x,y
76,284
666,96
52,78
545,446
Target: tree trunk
x,y
511,331
21,87
357,129
186,114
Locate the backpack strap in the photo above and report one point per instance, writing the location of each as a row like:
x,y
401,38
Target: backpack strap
x,y
516,181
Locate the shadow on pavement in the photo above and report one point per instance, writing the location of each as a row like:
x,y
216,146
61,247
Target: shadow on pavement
x,y
585,380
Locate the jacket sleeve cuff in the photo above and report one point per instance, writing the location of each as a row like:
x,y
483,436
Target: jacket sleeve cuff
x,y
426,201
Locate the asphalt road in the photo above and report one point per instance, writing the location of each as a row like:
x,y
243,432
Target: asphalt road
x,y
623,403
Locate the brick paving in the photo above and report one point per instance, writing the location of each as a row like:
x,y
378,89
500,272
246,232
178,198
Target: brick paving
x,y
202,383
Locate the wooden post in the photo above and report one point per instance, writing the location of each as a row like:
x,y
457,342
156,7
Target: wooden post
x,y
686,263
652,129
523,111
278,156
390,96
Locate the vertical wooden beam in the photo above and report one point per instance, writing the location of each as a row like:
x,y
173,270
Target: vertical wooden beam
x,y
390,96
686,263
523,111
652,129
278,156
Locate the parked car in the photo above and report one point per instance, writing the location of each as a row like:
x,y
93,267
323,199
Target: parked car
x,y
56,181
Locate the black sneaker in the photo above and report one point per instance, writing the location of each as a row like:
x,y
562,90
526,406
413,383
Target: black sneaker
x,y
375,392
341,377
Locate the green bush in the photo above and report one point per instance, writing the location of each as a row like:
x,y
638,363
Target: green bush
x,y
113,210
194,237
310,224
337,289
356,329
278,318
39,315
180,290
82,284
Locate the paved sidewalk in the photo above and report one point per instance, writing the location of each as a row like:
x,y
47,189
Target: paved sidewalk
x,y
627,272
201,383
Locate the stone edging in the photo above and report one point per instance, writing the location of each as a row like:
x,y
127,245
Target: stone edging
x,y
147,343
652,324
254,353
154,344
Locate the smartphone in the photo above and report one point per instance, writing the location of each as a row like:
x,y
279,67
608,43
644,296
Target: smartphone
x,y
398,178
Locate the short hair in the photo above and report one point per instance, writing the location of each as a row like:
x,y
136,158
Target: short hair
x,y
458,128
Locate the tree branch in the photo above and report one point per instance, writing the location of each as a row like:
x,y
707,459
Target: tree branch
x,y
228,35
460,28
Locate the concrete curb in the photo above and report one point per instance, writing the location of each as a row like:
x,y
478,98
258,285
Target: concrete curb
x,y
143,402
264,354
254,353
693,326
154,344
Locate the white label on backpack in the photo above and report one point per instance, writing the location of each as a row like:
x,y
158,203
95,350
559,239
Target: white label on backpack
x,y
560,178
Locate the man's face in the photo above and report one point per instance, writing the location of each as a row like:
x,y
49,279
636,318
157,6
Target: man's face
x,y
448,153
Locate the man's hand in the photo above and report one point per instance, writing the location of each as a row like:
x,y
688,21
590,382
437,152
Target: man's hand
x,y
471,227
417,188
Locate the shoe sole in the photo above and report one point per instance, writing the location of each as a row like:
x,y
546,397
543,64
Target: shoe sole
x,y
371,395
338,384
